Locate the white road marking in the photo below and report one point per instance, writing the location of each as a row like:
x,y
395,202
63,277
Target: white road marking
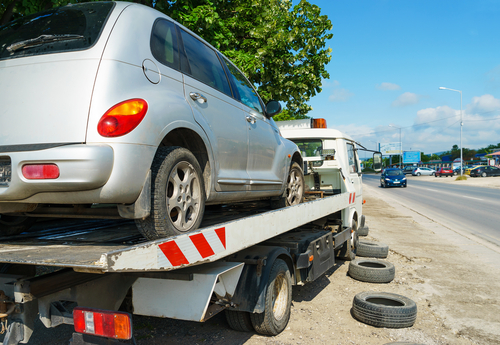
x,y
470,197
432,190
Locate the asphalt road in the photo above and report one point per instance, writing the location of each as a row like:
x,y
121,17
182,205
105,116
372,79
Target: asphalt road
x,y
469,209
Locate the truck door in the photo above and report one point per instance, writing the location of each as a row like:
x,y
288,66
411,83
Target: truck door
x,y
354,169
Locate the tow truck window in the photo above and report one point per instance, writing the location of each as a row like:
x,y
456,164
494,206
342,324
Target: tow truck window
x,y
351,156
309,147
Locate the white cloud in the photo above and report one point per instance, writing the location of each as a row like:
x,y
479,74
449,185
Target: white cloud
x,y
405,99
484,103
329,83
388,86
340,95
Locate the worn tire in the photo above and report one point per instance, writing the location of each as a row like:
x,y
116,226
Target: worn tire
x,y
14,225
294,190
372,249
349,248
383,309
239,320
177,194
372,270
363,231
278,301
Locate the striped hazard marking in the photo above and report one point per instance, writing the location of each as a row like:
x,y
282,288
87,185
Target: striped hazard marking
x,y
189,249
352,197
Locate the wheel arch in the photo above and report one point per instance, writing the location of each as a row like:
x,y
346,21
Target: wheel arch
x,y
298,159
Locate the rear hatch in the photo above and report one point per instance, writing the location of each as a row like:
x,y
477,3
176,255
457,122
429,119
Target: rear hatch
x,y
48,65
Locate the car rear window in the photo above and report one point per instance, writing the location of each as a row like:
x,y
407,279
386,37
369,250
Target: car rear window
x,y
68,28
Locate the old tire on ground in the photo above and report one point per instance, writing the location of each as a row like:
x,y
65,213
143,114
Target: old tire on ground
x,y
383,309
372,270
177,194
14,225
349,248
278,301
363,231
372,249
239,320
294,190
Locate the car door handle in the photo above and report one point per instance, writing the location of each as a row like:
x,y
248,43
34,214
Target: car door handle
x,y
252,119
195,96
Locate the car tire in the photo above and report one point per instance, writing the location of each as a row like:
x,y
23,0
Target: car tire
x,y
372,270
483,174
383,309
348,250
278,301
177,194
372,249
418,174
294,190
14,225
239,320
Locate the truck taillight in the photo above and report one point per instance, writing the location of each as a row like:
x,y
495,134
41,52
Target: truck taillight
x,y
122,118
103,323
318,123
40,171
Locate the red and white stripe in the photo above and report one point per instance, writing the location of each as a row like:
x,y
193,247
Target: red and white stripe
x,y
188,249
352,197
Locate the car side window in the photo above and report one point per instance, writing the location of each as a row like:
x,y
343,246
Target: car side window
x,y
204,64
164,43
245,92
351,156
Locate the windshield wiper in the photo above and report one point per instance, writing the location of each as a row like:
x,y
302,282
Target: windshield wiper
x,y
42,39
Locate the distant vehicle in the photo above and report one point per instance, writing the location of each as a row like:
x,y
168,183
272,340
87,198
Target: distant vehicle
x,y
485,171
408,170
445,171
393,177
423,171
470,168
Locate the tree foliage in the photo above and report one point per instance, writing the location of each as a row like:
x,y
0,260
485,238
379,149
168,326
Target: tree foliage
x,y
281,48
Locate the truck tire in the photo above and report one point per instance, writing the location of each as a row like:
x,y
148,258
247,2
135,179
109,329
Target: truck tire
x,y
294,190
363,231
239,320
14,225
278,301
177,194
372,249
383,309
372,270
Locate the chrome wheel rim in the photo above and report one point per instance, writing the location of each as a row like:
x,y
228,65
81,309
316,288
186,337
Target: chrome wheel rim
x,y
183,196
280,297
294,188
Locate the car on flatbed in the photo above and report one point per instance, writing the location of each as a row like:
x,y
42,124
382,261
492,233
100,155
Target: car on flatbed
x,y
114,110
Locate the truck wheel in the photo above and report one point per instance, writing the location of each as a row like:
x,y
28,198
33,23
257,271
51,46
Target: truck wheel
x,y
294,191
383,309
177,194
278,301
372,249
239,320
14,225
372,270
349,248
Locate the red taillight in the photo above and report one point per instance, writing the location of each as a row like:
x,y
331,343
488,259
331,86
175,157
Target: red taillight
x,y
40,171
122,118
104,323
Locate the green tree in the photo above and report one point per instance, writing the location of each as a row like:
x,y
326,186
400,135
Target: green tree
x,y
281,48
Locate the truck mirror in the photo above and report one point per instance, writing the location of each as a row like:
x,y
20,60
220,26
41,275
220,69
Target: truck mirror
x,y
273,108
377,161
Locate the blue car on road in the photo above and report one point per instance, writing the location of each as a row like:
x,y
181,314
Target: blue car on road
x,y
393,177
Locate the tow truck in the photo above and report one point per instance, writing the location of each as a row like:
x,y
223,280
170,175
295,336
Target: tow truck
x,y
244,259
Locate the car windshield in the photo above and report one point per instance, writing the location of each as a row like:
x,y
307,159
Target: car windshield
x,y
67,28
309,147
394,173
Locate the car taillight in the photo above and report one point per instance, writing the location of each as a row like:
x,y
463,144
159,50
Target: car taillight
x,y
40,171
103,323
122,118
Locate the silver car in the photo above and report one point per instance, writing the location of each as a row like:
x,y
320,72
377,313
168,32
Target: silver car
x,y
423,171
115,104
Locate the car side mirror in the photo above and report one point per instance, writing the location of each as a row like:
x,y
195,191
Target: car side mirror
x,y
377,161
273,108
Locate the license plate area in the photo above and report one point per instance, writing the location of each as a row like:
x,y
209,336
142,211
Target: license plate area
x,y
5,171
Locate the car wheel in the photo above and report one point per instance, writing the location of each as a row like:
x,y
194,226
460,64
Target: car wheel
x,y
433,174
177,194
483,174
418,174
278,301
14,225
294,191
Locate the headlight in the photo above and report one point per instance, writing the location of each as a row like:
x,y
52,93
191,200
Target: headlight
x,y
387,179
404,178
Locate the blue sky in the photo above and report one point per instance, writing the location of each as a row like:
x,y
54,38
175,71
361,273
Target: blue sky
x,y
389,57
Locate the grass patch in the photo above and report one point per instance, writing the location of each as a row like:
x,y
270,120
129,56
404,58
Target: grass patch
x,y
459,178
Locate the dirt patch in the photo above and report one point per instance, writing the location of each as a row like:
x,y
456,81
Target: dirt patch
x,y
457,296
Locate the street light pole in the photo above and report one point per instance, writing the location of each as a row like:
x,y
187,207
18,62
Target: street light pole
x,y
400,143
461,124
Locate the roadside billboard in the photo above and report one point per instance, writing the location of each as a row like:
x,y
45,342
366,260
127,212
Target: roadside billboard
x,y
389,149
410,157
